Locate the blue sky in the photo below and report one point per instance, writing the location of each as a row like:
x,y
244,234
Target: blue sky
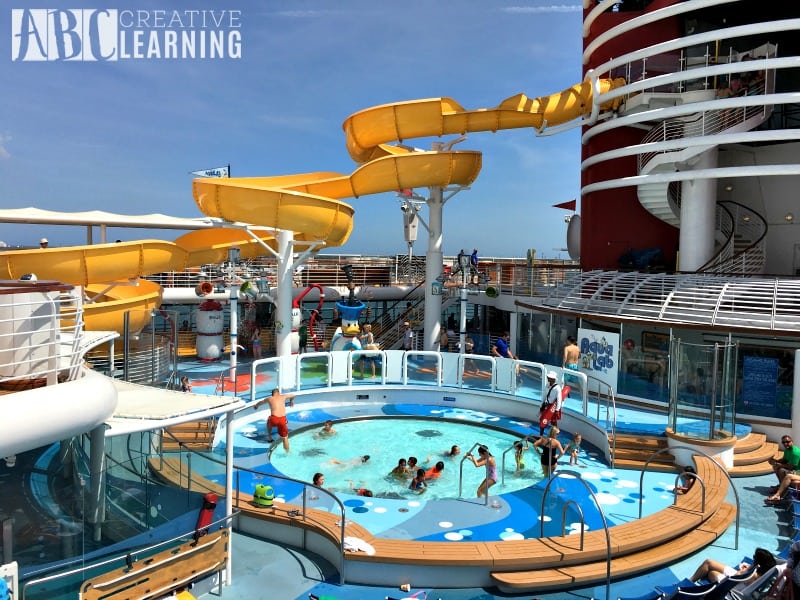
x,y
122,136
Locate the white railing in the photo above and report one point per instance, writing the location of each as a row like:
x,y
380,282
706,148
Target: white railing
x,y
743,225
707,123
41,328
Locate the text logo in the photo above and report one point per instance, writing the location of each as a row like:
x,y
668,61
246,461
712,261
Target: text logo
x,y
63,34
92,34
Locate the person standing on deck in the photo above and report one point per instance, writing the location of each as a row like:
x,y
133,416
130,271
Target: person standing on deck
x,y
571,355
500,347
277,417
408,336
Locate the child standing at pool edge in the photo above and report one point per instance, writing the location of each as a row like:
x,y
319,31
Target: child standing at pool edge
x,y
573,449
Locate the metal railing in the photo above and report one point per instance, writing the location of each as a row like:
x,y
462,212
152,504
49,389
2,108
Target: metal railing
x,y
41,333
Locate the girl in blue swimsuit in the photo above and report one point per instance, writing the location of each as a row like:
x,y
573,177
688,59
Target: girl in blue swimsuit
x,y
418,484
486,460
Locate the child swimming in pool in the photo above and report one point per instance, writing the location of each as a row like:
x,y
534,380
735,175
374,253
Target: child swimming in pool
x,y
327,430
418,484
574,448
519,454
400,471
435,471
345,464
453,452
360,490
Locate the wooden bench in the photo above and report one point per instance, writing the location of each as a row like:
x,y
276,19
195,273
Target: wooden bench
x,y
165,572
627,565
530,564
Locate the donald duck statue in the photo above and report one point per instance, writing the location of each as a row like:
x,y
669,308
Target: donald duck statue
x,y
346,336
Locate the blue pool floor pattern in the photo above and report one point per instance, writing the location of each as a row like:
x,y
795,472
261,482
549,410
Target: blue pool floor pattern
x,y
292,573
514,515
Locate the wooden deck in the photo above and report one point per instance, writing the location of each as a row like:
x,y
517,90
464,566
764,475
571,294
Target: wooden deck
x,y
532,564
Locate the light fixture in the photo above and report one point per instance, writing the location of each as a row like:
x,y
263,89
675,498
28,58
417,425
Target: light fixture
x,y
729,188
746,218
789,217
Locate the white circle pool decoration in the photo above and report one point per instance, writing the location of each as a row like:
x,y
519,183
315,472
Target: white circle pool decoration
x,y
453,536
379,509
605,498
467,533
508,536
445,524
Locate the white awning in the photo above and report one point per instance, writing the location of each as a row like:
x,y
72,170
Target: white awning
x,y
142,408
37,216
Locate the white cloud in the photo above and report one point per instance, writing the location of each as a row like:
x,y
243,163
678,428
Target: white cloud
x,y
4,139
550,8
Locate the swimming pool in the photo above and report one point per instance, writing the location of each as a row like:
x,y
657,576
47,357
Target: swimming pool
x,y
510,514
387,439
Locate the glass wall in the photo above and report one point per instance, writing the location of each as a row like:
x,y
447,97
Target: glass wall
x,y
762,368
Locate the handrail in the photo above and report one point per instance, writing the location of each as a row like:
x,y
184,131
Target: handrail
x,y
751,222
711,458
564,519
467,455
265,475
125,557
524,439
611,411
576,475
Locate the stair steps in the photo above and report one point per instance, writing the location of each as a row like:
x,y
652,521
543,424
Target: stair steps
x,y
633,450
195,435
751,454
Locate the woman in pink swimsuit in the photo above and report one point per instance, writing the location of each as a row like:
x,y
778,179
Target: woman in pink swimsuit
x,y
486,460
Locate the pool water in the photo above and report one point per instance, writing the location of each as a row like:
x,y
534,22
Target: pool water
x,y
386,440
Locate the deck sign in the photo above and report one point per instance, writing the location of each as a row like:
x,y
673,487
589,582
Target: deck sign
x,y
760,381
599,354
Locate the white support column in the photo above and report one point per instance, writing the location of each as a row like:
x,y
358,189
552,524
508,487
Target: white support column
x,y
97,480
283,306
233,260
698,216
463,299
513,328
229,443
795,428
433,268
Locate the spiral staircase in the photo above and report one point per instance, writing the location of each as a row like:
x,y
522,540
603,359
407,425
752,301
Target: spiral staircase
x,y
740,231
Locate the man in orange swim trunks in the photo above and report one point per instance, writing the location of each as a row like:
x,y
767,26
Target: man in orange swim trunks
x,y
277,417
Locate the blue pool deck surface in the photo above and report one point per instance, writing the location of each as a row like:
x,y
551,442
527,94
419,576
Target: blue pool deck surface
x,y
262,569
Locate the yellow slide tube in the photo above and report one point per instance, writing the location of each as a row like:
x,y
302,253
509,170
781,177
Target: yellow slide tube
x,y
308,204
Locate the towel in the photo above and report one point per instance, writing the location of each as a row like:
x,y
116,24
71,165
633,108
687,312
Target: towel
x,y
354,544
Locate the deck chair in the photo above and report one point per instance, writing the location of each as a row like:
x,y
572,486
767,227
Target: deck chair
x,y
758,588
729,583
654,595
693,592
669,590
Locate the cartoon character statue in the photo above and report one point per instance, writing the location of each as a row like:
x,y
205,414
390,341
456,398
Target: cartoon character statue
x,y
346,336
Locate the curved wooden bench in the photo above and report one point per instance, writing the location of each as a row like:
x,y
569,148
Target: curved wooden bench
x,y
621,566
535,563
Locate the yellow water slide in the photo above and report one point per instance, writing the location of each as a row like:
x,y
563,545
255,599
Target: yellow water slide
x,y
307,204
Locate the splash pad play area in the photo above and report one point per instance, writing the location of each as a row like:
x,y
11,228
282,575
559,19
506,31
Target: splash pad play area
x,y
511,531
